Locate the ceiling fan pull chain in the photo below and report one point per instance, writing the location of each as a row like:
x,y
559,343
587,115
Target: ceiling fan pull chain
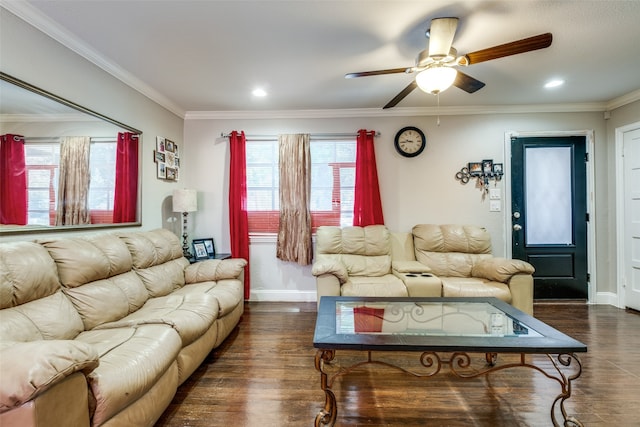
x,y
438,109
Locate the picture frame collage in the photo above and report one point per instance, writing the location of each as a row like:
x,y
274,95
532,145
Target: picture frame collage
x,y
167,159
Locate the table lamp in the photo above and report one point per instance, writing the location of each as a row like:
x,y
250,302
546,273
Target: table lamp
x,y
185,201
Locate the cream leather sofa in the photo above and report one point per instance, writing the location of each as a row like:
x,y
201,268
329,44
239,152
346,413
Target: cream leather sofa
x,y
431,261
100,330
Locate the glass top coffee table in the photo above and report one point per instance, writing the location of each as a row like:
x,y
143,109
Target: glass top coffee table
x,y
444,331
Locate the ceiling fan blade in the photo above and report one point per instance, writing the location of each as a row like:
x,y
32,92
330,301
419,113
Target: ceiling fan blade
x,y
378,72
399,97
467,83
521,46
441,36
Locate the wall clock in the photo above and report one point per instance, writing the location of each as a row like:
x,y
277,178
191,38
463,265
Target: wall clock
x,y
410,141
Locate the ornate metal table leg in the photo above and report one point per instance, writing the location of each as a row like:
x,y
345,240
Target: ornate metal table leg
x,y
328,414
565,382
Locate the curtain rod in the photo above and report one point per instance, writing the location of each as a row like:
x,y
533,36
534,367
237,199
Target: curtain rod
x,y
313,136
57,138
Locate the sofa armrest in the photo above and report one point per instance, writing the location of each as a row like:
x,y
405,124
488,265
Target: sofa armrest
x,y
332,267
28,369
500,269
409,267
214,269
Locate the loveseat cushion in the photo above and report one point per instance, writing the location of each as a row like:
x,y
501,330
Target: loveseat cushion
x,y
132,360
451,249
364,251
382,286
30,368
474,287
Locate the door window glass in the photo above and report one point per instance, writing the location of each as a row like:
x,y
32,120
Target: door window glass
x,y
548,196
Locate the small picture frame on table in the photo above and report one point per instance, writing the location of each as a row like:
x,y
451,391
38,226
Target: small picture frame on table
x,y
199,250
209,247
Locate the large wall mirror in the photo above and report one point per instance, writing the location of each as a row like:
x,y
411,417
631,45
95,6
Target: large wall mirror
x,y
63,166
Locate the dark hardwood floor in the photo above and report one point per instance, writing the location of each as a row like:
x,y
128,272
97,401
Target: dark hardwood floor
x,y
263,375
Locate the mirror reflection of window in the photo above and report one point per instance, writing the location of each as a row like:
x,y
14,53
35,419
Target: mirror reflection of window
x,y
31,169
42,160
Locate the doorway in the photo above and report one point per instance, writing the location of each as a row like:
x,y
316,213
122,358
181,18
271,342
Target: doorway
x,y
549,215
628,217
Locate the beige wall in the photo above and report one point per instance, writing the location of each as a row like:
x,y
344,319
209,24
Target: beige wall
x,y
418,190
30,55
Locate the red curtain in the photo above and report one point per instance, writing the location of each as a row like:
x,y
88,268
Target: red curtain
x,y
367,206
239,224
126,187
13,180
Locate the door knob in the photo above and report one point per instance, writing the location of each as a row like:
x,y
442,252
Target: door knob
x,y
517,227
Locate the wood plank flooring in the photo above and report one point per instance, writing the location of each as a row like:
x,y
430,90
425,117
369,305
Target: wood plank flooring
x,y
263,375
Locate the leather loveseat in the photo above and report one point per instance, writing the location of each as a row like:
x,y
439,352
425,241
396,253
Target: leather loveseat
x,y
432,261
101,330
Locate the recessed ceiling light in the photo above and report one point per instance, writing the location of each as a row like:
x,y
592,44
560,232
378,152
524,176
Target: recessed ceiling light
x,y
259,92
553,83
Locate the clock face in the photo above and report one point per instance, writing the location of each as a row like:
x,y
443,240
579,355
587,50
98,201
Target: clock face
x,y
410,141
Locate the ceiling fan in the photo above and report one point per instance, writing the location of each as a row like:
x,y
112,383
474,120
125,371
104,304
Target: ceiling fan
x,y
435,65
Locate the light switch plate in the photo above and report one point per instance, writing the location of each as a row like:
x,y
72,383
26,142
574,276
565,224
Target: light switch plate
x,y
494,194
495,206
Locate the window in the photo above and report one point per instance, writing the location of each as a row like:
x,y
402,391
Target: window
x,y
42,160
332,184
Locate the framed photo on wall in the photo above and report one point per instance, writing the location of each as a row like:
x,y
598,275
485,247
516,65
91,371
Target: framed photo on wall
x,y
475,168
487,167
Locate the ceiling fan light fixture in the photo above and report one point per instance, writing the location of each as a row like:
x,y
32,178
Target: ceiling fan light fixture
x,y
436,79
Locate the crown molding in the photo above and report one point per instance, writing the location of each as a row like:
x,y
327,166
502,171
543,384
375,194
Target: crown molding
x,y
623,100
397,112
43,23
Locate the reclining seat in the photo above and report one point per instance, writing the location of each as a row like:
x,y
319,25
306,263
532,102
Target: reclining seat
x,y
355,261
460,256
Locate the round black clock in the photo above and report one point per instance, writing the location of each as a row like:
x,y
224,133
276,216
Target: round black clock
x,y
410,141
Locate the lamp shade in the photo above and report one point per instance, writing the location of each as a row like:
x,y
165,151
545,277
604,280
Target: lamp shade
x,y
436,79
185,200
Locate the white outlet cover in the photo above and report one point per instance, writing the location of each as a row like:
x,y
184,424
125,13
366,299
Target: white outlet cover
x,y
495,206
494,194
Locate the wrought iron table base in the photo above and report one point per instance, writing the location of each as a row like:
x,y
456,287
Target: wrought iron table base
x,y
459,364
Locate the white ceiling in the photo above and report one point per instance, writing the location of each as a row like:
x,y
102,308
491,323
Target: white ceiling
x,y
207,56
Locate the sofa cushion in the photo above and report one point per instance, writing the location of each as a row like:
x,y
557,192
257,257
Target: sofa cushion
x,y
132,360
382,286
190,314
86,259
96,272
149,248
157,259
51,317
33,306
228,293
473,287
27,273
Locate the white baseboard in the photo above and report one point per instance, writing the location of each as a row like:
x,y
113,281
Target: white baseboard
x,y
608,298
282,295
